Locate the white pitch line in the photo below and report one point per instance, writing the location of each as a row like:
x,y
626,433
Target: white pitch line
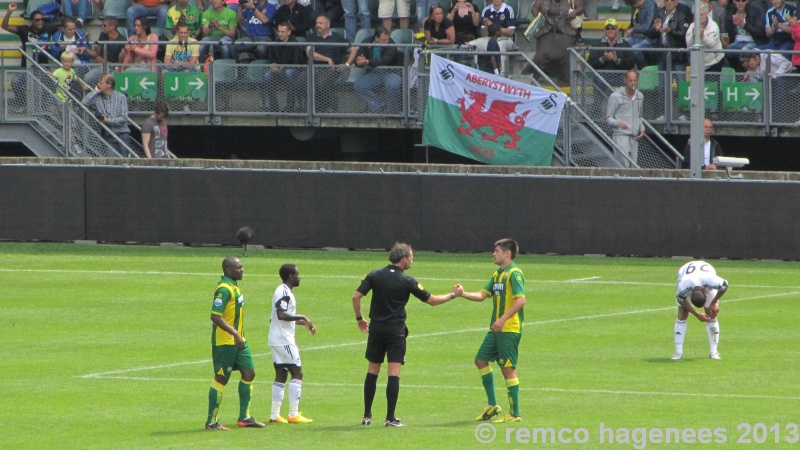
x,y
426,335
590,280
582,279
538,389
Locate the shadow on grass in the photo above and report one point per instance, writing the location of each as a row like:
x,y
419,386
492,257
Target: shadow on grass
x,y
670,361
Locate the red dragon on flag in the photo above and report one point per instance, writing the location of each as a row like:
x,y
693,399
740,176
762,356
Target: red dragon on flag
x,y
497,118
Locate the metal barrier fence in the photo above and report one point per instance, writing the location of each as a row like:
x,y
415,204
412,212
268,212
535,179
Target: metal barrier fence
x,y
68,125
730,100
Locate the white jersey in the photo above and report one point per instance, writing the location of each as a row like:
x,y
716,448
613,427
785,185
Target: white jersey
x,y
281,332
697,273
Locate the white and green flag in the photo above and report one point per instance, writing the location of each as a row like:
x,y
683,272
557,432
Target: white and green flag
x,y
488,118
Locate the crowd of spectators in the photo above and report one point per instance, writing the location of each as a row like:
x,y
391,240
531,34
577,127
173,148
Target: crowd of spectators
x,y
242,30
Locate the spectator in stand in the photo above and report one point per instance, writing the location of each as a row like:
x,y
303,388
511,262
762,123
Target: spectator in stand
x,y
777,28
711,148
191,15
65,76
110,33
382,73
624,116
669,31
336,56
503,15
466,21
70,39
709,35
439,29
491,63
717,11
296,14
257,18
796,36
757,71
745,28
179,55
139,55
147,8
293,78
351,8
608,59
111,108
154,132
331,8
643,12
219,26
79,6
35,33
555,37
386,9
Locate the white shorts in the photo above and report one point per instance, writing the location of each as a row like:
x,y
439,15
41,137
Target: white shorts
x,y
285,354
386,9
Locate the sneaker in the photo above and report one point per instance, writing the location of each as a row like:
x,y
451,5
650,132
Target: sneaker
x,y
250,423
660,119
79,22
216,426
579,41
683,117
298,419
508,418
615,5
366,421
278,420
489,412
394,423
676,356
714,355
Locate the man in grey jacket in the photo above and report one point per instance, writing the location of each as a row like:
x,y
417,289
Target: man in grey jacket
x,y
624,115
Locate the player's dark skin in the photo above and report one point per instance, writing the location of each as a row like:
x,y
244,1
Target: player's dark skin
x,y
232,268
282,371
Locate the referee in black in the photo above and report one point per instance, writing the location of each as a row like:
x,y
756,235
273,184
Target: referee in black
x,y
387,331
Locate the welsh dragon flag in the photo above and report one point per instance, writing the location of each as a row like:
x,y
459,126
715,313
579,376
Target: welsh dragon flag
x,y
488,118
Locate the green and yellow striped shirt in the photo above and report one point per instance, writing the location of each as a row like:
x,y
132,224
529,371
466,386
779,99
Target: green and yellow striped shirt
x,y
505,287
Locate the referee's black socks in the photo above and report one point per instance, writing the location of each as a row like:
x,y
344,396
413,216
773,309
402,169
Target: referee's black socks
x,y
392,392
370,384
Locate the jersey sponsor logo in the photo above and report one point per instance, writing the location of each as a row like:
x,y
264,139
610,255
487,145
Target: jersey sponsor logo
x,y
499,287
419,285
217,302
240,300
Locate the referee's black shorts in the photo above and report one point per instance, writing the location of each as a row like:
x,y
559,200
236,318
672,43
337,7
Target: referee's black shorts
x,y
387,339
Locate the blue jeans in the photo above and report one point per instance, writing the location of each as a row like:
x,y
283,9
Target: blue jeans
x,y
251,45
368,85
294,79
350,17
83,8
639,42
423,9
225,48
137,10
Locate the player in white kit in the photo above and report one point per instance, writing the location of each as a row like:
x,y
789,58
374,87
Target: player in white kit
x,y
698,285
285,355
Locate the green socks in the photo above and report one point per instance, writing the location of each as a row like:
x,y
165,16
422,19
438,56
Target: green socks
x,y
487,377
513,395
214,400
245,392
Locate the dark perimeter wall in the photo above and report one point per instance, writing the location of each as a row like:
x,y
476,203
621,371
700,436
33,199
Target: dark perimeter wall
x,y
615,216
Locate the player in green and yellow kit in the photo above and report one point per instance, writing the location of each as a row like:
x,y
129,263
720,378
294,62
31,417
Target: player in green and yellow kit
x,y
229,348
501,344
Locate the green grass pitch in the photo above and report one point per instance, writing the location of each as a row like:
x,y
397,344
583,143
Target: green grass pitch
x,y
109,347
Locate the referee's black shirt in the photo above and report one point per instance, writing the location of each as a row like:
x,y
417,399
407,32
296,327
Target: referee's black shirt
x,y
391,288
